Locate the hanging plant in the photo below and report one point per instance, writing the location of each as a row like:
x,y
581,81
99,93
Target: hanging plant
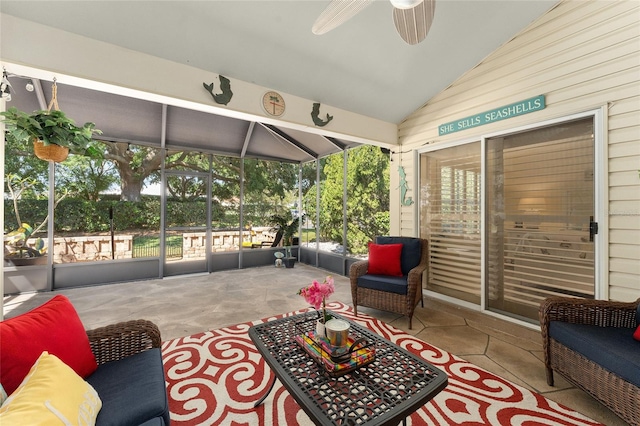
x,y
51,131
46,128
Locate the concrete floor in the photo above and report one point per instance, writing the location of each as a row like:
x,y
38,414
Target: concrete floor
x,y
191,304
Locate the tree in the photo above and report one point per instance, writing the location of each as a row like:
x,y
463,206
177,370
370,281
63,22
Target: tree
x,y
20,161
270,189
26,184
137,164
134,163
86,177
367,197
16,240
20,188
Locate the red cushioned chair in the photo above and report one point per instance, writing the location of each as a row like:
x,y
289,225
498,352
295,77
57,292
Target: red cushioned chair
x,y
399,294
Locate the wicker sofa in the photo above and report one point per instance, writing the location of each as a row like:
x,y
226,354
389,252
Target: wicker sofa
x,y
49,346
399,294
590,343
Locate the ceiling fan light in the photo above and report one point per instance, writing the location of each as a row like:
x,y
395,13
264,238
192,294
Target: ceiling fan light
x,y
405,4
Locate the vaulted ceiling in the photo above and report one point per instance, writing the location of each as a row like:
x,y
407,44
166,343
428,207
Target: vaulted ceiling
x,y
362,66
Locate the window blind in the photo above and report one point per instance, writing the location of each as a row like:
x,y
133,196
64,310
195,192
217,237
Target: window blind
x,y
450,198
539,206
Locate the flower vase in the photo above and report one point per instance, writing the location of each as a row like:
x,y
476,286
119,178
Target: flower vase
x,y
320,331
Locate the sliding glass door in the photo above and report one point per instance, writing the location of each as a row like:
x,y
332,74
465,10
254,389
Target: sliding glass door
x,y
450,219
539,214
539,232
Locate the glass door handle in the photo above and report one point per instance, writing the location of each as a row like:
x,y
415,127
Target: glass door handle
x,y
593,229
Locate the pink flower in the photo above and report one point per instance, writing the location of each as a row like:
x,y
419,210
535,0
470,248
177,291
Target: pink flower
x,y
316,293
328,287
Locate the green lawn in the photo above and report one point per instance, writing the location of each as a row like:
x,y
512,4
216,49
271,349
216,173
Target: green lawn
x,y
149,246
308,235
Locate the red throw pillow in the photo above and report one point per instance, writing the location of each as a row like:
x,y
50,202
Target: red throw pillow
x,y
53,327
384,259
636,334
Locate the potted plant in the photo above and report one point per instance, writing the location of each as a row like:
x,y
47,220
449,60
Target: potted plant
x,y
53,133
287,229
18,253
17,249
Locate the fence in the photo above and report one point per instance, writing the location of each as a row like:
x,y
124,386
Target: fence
x,y
150,248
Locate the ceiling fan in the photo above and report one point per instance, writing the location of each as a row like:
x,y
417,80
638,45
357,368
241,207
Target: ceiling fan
x,y
412,18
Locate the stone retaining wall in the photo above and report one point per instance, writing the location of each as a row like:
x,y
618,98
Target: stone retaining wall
x,y
98,247
92,247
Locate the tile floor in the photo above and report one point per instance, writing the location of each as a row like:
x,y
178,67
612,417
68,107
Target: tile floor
x,y
186,305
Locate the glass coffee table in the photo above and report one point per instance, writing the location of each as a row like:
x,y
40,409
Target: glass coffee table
x,y
382,392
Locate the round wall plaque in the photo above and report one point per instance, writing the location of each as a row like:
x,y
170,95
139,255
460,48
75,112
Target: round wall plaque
x,y
273,104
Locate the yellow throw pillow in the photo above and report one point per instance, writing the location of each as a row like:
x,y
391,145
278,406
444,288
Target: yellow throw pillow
x,y
51,394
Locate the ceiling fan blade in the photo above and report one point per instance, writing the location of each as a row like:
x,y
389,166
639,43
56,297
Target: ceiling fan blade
x,y
414,24
337,13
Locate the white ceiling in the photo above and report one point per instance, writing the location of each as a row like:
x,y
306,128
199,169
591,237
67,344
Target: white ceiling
x,y
362,66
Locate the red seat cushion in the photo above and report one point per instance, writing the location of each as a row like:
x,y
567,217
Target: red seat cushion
x,y
53,327
384,259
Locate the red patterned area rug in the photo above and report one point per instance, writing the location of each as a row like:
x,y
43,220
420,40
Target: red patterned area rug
x,y
214,378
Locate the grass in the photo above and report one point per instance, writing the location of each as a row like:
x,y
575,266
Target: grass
x,y
149,246
308,235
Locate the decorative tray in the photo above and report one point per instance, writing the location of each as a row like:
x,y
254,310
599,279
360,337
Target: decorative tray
x,y
337,361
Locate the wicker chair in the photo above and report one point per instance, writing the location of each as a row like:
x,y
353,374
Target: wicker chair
x,y
389,301
117,341
130,376
622,397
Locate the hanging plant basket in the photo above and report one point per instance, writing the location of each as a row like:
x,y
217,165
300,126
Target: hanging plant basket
x,y
51,152
54,127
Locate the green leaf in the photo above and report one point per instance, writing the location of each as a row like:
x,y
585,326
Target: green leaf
x,y
50,127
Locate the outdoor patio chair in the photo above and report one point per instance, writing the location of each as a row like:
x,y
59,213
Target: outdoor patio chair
x,y
389,287
593,344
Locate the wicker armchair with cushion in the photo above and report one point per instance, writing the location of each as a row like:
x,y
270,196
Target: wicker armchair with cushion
x,y
130,375
391,279
112,375
595,344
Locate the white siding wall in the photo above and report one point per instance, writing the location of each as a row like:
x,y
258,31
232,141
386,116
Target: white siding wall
x,y
581,55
